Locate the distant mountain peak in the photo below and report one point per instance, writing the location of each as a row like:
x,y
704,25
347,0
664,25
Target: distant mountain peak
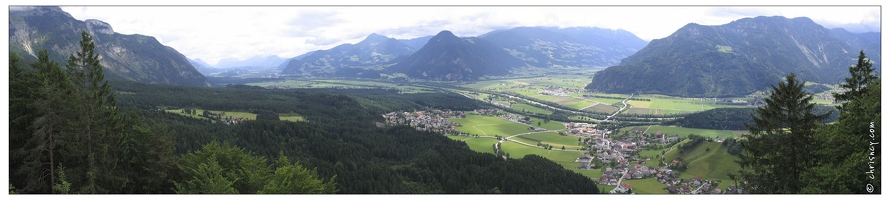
x,y
444,33
376,36
97,26
448,57
38,10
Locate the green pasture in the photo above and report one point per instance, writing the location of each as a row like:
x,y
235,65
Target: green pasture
x,y
517,150
489,125
646,186
549,125
655,157
458,137
291,117
711,164
685,132
571,102
605,188
532,109
481,144
555,139
558,155
593,174
232,114
196,116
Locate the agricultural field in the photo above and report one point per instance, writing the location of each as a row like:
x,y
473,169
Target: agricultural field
x,y
567,81
660,104
517,150
557,155
291,117
592,173
655,156
339,83
606,188
481,144
646,186
531,86
708,160
555,139
489,125
458,137
179,111
685,132
532,109
549,125
607,101
245,115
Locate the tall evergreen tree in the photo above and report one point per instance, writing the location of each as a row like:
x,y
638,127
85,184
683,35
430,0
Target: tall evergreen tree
x,y
781,142
48,104
843,157
92,139
860,75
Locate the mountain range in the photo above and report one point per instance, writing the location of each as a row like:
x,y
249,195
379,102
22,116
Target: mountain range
x,y
375,51
448,57
738,58
452,58
123,57
734,59
585,47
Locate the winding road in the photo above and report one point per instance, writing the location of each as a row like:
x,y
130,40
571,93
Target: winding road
x,y
622,108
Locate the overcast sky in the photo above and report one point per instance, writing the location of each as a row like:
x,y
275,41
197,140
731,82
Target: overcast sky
x,y
211,33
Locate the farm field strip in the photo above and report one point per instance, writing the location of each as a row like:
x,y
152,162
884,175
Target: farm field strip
x,y
233,114
646,186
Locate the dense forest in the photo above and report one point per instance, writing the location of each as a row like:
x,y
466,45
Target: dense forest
x,y
115,137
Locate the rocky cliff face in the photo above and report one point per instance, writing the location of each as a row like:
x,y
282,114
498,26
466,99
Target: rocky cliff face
x,y
124,57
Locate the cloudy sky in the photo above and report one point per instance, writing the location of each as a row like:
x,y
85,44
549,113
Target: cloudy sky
x,y
211,33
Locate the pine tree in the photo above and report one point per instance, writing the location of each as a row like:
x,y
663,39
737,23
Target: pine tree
x,y
842,159
95,141
295,179
781,142
860,75
48,105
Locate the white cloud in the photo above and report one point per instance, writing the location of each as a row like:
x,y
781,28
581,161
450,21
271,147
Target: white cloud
x,y
212,33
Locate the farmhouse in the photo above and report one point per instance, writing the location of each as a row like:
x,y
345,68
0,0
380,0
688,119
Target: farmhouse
x,y
585,161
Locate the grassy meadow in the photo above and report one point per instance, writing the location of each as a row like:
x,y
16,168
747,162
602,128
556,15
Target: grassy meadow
x,y
685,132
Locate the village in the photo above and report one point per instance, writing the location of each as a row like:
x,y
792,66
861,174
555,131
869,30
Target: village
x,y
427,120
618,158
617,155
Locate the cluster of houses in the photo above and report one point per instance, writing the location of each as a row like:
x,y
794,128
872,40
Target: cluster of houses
x,y
487,112
427,120
823,96
234,121
695,185
628,167
583,129
515,118
558,91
